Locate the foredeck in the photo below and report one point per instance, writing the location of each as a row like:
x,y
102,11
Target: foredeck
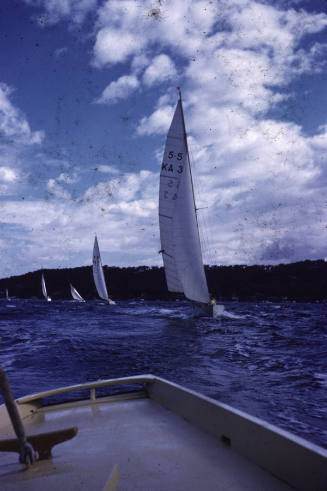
x,y
154,448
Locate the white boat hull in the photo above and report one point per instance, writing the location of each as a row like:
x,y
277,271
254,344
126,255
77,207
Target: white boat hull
x,y
196,444
207,310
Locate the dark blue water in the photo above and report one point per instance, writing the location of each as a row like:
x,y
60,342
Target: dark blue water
x,y
267,359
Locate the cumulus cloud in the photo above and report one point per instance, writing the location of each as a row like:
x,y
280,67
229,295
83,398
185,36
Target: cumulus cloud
x,y
113,46
260,183
109,209
8,178
139,62
13,124
158,122
68,178
119,89
7,174
128,187
56,190
162,68
108,169
17,143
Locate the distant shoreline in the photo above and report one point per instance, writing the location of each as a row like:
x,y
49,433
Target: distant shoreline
x,y
304,281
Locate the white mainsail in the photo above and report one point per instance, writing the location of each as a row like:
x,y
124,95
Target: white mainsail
x,y
7,295
75,294
98,275
179,233
44,289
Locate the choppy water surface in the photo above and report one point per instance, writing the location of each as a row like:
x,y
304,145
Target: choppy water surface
x,y
267,359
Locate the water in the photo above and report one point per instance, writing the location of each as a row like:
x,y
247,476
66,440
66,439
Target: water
x,y
267,359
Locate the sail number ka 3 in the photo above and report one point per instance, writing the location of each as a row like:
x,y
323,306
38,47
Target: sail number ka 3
x,y
179,233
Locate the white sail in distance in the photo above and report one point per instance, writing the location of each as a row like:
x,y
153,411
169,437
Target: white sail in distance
x,y
44,289
98,275
179,233
75,294
7,295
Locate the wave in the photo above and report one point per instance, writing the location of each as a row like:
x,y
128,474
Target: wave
x,y
230,315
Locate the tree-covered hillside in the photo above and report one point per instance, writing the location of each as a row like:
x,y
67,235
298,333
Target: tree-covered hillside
x,y
301,281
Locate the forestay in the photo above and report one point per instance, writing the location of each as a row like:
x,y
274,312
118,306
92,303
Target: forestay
x,y
179,234
98,272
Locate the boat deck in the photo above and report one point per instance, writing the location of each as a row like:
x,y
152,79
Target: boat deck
x,y
154,448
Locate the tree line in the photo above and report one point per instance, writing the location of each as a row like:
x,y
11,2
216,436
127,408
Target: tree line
x,y
304,281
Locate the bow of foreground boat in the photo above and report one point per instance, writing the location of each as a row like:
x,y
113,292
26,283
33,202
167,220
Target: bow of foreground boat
x,y
161,436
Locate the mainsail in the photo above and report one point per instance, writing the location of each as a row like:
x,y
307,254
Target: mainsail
x,y
7,295
75,294
98,275
179,233
44,289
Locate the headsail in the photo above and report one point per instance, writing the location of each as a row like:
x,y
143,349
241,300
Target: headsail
x,y
44,289
75,294
179,234
98,275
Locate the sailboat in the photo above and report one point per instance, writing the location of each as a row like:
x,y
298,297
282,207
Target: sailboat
x,y
75,294
7,295
98,275
44,289
179,232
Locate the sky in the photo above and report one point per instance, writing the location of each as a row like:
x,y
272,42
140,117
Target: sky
x,y
87,93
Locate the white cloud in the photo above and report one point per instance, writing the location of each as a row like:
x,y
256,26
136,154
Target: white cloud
x,y
162,68
7,174
139,63
57,10
69,179
65,226
261,182
18,144
158,122
108,169
8,179
127,27
60,52
13,124
55,189
128,187
119,89
114,46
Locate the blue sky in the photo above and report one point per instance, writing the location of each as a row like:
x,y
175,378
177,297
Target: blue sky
x,y
87,91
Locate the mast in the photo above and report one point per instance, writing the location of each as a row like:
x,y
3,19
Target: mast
x,y
188,158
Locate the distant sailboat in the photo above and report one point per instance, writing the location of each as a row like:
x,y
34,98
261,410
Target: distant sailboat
x,y
7,296
44,290
98,275
75,294
179,233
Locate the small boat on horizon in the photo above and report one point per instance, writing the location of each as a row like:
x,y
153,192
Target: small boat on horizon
x,y
179,231
44,289
75,294
98,274
7,296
